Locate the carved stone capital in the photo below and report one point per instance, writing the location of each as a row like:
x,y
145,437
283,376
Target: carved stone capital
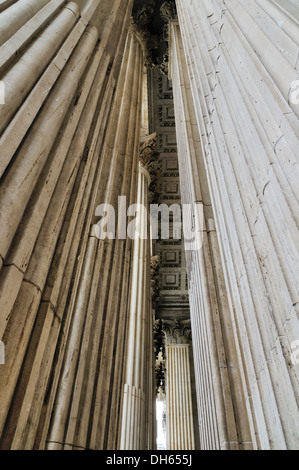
x,y
177,331
141,36
168,10
148,150
148,158
155,34
141,19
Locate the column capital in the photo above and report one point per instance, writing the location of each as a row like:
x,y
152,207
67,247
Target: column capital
x,y
148,149
148,158
142,17
168,10
177,331
140,35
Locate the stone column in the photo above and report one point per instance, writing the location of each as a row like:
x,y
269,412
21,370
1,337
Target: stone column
x,y
56,150
222,422
137,415
179,411
18,14
241,65
91,380
135,404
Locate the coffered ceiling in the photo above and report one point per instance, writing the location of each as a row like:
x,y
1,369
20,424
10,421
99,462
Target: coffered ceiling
x,y
173,293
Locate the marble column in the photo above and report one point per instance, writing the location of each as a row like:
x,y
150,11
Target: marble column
x,y
91,380
135,405
179,410
59,139
241,63
137,415
17,15
222,422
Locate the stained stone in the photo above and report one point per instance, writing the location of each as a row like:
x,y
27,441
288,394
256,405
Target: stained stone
x,y
177,102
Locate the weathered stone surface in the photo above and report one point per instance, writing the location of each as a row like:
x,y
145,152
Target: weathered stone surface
x,y
81,91
232,69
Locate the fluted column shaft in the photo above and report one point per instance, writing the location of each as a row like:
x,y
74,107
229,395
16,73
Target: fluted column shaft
x,y
59,124
241,63
14,17
86,408
221,425
179,409
137,399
